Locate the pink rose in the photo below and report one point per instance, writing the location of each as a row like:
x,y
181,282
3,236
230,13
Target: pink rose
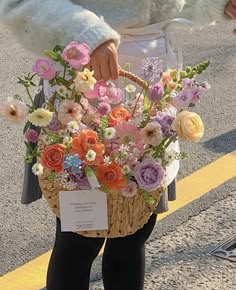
x,y
44,69
76,54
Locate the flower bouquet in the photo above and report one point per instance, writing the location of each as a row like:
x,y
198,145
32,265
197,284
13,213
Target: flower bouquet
x,y
94,134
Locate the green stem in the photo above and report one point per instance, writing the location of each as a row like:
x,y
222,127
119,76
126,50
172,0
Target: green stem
x,y
29,95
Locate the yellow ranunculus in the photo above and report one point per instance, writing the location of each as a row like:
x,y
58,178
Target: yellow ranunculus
x,y
189,126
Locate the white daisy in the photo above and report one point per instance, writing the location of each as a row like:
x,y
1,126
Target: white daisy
x,y
40,117
110,133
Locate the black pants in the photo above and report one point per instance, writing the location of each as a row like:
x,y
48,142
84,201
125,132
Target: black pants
x,y
123,262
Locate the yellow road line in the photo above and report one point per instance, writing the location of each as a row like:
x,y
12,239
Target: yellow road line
x,y
31,276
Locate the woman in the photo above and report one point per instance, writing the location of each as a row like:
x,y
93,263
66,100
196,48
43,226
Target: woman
x,y
136,28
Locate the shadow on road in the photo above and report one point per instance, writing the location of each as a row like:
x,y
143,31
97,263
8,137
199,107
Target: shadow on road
x,y
224,143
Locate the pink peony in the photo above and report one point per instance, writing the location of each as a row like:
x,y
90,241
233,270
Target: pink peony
x,y
76,54
44,69
31,135
13,111
69,111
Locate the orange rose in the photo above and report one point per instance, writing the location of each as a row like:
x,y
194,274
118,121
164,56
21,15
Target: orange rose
x,y
53,156
111,176
118,114
88,140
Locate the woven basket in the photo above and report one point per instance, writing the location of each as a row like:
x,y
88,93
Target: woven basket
x,y
125,214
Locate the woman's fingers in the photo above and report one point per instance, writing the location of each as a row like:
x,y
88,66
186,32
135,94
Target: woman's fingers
x,y
104,61
114,71
230,9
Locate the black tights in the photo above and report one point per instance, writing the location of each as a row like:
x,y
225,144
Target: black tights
x,y
123,261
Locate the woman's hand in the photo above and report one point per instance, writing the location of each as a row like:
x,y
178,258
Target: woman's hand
x,y
104,61
230,10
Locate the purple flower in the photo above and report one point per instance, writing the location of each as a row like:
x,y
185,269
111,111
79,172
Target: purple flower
x,y
155,93
31,135
182,100
104,108
151,68
54,126
187,82
81,180
195,93
165,121
149,174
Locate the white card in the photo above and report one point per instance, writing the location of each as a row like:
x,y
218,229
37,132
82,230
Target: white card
x,y
83,210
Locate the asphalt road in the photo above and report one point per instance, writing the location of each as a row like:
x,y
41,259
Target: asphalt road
x,y
28,231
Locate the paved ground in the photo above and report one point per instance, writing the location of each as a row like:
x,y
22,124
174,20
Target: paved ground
x,y
180,260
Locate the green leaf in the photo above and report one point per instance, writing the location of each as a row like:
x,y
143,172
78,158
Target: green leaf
x,y
27,126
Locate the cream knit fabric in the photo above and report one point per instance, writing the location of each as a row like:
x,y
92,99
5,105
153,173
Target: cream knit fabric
x,y
40,24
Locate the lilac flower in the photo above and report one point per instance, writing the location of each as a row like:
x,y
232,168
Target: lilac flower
x,y
54,126
31,135
156,93
165,122
187,82
149,174
151,68
72,162
104,108
81,180
195,93
182,100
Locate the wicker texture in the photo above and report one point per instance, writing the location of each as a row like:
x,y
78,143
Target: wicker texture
x,y
125,214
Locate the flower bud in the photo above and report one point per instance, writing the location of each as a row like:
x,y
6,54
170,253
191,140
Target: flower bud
x,y
155,93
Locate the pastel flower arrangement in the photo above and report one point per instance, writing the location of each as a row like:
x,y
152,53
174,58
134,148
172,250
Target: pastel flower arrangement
x,y
96,135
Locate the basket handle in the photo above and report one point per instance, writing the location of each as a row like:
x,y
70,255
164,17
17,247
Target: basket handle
x,y
134,78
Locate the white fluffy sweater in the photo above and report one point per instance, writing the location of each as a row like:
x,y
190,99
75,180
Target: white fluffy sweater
x,y
40,24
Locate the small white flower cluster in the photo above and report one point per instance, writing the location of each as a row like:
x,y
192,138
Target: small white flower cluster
x,y
65,181
64,92
107,160
72,127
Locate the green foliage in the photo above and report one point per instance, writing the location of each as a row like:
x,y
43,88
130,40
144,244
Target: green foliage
x,y
102,127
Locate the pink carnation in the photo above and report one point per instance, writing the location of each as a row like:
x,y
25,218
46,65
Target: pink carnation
x,y
31,135
104,108
76,54
69,111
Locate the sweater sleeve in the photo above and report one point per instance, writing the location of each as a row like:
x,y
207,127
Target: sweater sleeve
x,y
204,12
40,25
